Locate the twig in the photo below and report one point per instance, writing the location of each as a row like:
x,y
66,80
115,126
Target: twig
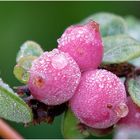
x,y
7,132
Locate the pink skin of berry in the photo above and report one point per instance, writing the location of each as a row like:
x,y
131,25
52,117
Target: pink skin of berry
x,y
54,77
84,44
100,99
133,117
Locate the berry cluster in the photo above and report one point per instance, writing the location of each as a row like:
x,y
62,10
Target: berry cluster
x,y
71,74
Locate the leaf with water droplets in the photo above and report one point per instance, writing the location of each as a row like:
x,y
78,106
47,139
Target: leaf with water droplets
x,y
134,90
70,128
134,31
110,24
29,48
21,70
12,107
120,48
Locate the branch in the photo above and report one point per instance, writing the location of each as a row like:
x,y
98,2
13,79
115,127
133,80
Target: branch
x,y
7,132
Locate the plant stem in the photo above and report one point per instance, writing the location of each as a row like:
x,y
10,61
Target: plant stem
x,y
7,132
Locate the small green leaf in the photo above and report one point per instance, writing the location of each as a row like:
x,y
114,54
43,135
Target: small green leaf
x,y
133,27
21,70
110,24
12,107
70,128
29,48
120,48
134,90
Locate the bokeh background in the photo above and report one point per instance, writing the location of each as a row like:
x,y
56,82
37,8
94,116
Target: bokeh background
x,y
44,22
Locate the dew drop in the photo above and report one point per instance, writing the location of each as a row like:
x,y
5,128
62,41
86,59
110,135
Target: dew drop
x,y
121,110
59,61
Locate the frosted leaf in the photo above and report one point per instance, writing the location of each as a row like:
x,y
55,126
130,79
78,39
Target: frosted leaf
x,y
13,107
29,48
123,132
133,27
120,48
134,90
6,86
110,24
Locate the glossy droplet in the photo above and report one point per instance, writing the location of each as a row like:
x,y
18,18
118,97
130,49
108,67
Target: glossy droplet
x,y
121,110
59,61
133,117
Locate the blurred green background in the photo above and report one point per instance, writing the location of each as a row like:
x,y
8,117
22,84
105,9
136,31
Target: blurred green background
x,y
44,23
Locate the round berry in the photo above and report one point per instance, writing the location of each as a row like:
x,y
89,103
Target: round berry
x,y
133,117
84,44
100,99
54,77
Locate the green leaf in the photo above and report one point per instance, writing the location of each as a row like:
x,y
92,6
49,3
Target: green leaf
x,y
12,107
133,27
120,48
21,70
29,48
134,90
134,31
110,24
69,127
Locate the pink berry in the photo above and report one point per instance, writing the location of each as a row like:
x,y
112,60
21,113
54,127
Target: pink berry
x,y
133,117
84,44
100,99
54,77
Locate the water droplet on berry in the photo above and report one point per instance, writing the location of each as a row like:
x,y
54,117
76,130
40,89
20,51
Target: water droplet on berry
x,y
59,61
121,110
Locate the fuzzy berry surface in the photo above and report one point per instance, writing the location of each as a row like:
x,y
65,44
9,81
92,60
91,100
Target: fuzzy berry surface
x,y
133,117
84,44
100,99
54,77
